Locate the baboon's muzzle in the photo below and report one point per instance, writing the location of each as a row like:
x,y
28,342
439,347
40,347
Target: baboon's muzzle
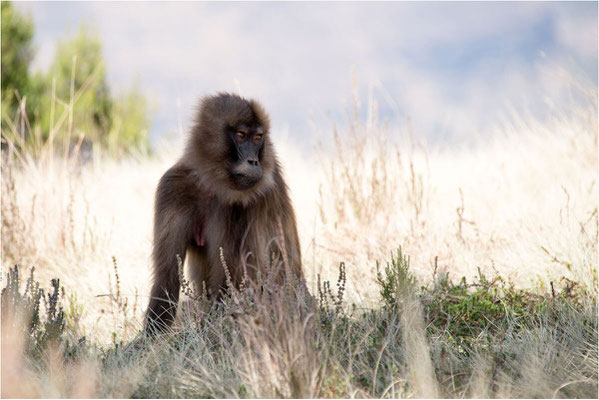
x,y
247,173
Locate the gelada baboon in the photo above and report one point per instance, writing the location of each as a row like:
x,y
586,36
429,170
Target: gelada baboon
x,y
226,192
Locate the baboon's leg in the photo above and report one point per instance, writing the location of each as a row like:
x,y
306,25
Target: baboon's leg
x,y
198,267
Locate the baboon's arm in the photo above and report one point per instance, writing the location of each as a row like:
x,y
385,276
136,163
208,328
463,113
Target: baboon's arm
x,y
174,227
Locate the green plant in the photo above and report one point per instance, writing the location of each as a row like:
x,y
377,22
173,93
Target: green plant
x,y
329,302
471,314
41,329
396,282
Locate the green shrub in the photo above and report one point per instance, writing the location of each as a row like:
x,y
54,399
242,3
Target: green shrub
x,y
470,313
396,282
41,327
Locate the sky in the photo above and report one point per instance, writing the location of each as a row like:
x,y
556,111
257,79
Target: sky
x,y
457,70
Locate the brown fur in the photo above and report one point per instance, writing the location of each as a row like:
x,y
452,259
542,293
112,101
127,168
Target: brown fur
x,y
196,198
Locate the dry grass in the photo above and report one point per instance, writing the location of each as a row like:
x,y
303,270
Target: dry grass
x,y
522,202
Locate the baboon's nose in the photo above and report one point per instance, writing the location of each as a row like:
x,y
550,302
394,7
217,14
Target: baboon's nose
x,y
247,174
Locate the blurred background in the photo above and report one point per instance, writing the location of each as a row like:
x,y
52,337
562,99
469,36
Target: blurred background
x,y
457,69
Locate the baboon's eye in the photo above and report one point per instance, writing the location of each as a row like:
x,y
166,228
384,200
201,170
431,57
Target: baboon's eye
x,y
258,138
241,133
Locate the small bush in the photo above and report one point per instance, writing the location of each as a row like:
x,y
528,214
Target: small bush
x,y
396,282
43,326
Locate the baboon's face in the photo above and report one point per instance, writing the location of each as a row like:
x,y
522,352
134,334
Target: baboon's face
x,y
246,144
